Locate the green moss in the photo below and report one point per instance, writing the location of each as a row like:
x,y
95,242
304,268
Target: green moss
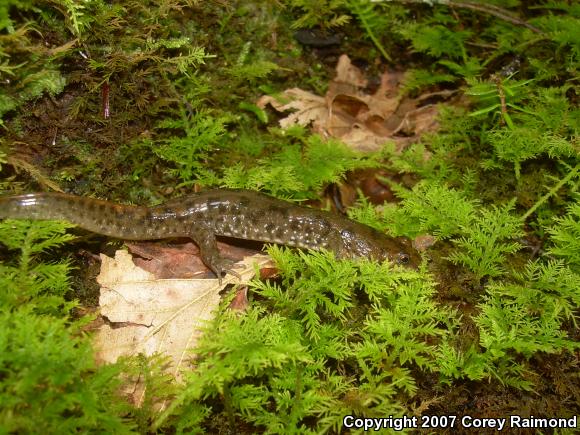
x,y
565,236
49,379
287,356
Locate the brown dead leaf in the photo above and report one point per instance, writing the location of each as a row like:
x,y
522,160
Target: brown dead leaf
x,y
348,74
382,103
148,315
309,107
371,182
363,121
418,121
362,139
168,261
240,300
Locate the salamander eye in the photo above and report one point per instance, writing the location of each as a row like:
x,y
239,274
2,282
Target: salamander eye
x,y
403,258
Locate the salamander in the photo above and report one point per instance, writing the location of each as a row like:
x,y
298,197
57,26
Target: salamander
x,y
202,216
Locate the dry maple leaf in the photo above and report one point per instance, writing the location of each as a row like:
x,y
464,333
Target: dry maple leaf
x,y
149,315
363,121
180,260
309,107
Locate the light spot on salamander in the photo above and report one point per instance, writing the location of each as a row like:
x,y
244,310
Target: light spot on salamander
x,y
294,226
244,201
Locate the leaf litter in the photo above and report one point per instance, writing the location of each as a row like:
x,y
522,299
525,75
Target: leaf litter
x,y
363,121
147,314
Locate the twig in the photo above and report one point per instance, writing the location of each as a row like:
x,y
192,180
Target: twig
x,y
371,34
552,191
496,11
20,163
501,94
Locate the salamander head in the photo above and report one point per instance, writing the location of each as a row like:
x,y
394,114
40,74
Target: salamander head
x,y
398,251
364,241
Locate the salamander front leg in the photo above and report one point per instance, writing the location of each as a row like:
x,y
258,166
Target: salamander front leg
x,y
210,255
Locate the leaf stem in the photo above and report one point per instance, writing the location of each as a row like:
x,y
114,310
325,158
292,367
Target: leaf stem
x,y
552,191
369,30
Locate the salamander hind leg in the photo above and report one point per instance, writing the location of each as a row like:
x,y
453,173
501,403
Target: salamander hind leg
x,y
210,255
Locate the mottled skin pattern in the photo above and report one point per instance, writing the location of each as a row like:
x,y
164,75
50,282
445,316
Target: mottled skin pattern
x,y
241,214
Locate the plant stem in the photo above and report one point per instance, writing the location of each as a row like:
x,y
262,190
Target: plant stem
x,y
496,11
552,191
370,33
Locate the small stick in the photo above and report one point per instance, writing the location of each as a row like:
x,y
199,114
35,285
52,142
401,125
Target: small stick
x,y
501,94
496,11
552,191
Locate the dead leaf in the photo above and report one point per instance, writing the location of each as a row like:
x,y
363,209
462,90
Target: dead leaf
x,y
348,74
418,121
309,107
148,315
240,300
365,122
180,260
362,139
